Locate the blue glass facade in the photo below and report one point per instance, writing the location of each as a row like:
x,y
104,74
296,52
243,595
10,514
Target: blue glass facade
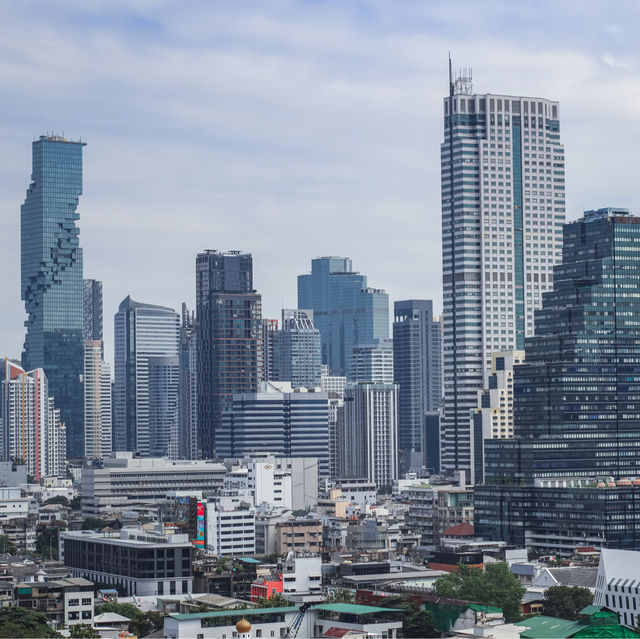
x,y
346,312
52,287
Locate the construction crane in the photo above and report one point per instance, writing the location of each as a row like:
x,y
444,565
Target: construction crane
x,y
294,627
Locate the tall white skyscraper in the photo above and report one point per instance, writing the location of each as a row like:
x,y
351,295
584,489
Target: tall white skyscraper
x,y
503,207
97,402
142,332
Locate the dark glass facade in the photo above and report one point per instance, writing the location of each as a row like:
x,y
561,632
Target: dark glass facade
x,y
92,310
52,288
229,337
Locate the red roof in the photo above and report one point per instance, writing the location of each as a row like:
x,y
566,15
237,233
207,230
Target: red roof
x,y
336,632
461,530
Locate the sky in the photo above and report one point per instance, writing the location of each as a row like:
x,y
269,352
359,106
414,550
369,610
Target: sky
x,y
289,129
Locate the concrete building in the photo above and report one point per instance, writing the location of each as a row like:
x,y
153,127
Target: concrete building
x,y
334,388
125,482
372,363
300,349
270,351
618,584
368,433
142,562
493,418
299,535
503,206
97,402
188,387
231,526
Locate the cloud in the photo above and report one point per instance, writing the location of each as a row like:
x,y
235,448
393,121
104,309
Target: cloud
x,y
288,128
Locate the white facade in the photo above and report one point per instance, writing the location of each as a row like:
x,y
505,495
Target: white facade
x,y
503,207
32,429
97,402
372,363
302,575
231,526
13,504
618,584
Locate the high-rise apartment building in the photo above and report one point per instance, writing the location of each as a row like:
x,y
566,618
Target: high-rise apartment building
x,y
142,332
188,389
417,369
572,470
229,319
334,388
92,310
31,426
270,350
277,420
300,356
503,206
493,418
368,433
372,363
97,402
52,286
345,310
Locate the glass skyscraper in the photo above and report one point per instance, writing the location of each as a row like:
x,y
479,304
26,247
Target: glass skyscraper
x,y
92,310
52,288
345,310
299,346
229,337
503,206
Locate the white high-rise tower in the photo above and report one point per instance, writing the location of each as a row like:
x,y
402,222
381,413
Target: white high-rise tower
x,y
503,207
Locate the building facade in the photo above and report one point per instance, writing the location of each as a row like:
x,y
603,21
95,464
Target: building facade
x,y
417,369
618,584
142,332
52,288
97,402
92,310
164,384
372,363
277,420
345,310
188,387
503,206
300,349
270,350
229,317
31,426
368,433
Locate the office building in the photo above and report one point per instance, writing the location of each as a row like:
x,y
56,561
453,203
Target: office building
x,y
372,363
231,527
334,388
270,351
503,206
164,383
52,287
300,356
97,402
92,311
618,584
188,388
417,369
125,482
141,562
229,317
345,310
575,399
493,418
277,420
142,332
368,433
31,426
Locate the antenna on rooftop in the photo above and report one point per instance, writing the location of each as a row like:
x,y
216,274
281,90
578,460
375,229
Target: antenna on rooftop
x,y
463,82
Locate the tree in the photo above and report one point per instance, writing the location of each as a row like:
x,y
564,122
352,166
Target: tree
x,y
47,543
58,499
277,600
387,489
82,631
6,545
339,595
125,609
566,601
496,586
75,503
146,623
93,523
416,621
22,622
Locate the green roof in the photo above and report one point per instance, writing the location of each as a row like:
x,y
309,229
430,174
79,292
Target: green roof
x,y
249,560
352,609
238,612
483,608
541,627
590,610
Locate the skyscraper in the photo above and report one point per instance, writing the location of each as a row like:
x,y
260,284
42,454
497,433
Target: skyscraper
x,y
417,367
229,320
97,402
299,346
372,363
345,310
31,426
142,332
270,351
188,390
164,382
503,206
52,286
576,406
92,310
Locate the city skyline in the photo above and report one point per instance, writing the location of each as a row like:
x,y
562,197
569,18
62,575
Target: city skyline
x,y
371,135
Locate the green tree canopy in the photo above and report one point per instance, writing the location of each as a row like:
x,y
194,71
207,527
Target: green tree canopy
x,y
22,622
58,499
93,523
277,600
496,586
566,601
125,609
339,595
6,545
147,623
47,543
416,621
83,631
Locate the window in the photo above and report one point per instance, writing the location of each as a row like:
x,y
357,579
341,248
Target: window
x,y
74,602
86,601
72,616
86,614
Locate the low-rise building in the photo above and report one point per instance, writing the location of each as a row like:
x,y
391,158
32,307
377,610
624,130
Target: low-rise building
x,y
300,534
142,562
618,584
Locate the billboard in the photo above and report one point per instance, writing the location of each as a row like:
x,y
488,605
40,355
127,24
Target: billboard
x,y
199,537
